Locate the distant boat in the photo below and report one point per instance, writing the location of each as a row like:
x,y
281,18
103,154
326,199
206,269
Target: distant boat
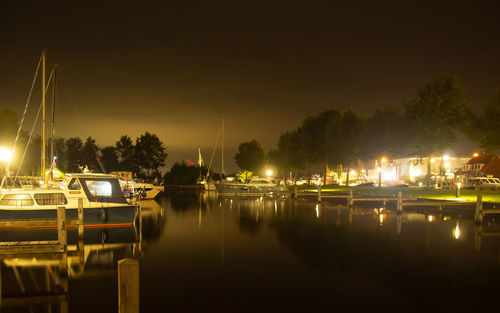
x,y
133,188
254,185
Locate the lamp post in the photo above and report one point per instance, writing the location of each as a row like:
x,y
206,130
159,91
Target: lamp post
x,y
379,177
457,193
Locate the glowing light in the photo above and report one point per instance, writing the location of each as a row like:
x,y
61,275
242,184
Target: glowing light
x,y
430,218
317,210
446,157
353,172
381,218
476,155
433,160
269,173
447,165
5,154
379,169
383,160
456,232
459,184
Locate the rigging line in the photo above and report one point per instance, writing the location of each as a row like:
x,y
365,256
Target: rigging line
x,y
22,119
213,152
32,131
80,119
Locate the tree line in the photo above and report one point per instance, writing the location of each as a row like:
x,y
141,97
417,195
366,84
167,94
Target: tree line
x,y
427,125
144,156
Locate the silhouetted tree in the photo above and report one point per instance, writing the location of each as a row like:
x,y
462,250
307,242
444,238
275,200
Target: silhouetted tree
x,y
250,156
182,174
435,116
74,157
485,128
8,127
150,152
125,151
109,159
89,155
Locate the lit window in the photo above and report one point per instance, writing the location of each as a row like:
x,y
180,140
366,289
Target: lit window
x,y
74,184
99,188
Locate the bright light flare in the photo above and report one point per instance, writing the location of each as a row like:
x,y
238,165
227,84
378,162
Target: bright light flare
x,y
456,232
269,173
6,154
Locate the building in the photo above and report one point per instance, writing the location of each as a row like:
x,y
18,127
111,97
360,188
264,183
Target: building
x,y
481,166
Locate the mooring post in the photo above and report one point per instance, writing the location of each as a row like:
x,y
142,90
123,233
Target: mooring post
x,y
319,191
478,216
399,205
350,201
81,242
62,236
295,192
128,286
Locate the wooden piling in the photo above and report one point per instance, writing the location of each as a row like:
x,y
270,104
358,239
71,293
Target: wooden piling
x,y
128,286
295,193
350,200
399,205
478,216
319,192
62,236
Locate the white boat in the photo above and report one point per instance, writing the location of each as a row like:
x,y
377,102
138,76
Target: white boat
x,y
103,202
133,188
255,185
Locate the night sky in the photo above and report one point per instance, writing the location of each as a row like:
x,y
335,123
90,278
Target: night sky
x,y
176,68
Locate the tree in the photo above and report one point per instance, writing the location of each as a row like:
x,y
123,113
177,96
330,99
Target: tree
x,y
89,155
182,174
109,159
8,127
289,156
74,151
125,151
435,116
385,134
150,152
485,129
250,156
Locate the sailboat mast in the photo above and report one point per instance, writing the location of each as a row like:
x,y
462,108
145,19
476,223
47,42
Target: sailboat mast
x,y
43,116
53,116
222,146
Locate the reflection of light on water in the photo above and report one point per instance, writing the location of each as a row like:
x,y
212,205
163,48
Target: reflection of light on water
x,y
275,207
456,232
430,218
317,210
381,218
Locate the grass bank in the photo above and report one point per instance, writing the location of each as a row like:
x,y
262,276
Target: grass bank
x,y
442,194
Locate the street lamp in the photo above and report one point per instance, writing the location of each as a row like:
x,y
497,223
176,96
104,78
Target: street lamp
x,y
457,194
5,154
269,173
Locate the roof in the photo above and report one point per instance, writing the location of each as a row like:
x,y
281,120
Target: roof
x,y
91,175
482,159
492,167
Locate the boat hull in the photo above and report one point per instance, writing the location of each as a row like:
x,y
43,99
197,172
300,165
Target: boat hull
x,y
115,216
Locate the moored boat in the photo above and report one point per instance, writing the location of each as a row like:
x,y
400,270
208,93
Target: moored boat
x,y
103,202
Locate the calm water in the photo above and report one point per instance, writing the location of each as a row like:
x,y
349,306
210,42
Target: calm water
x,y
207,254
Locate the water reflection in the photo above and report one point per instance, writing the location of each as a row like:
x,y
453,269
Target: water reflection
x,y
38,279
353,254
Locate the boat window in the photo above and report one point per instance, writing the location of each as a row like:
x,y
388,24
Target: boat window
x,y
74,184
99,187
50,198
103,190
17,200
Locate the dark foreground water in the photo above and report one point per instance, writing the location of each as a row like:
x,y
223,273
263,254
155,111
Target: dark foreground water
x,y
202,253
